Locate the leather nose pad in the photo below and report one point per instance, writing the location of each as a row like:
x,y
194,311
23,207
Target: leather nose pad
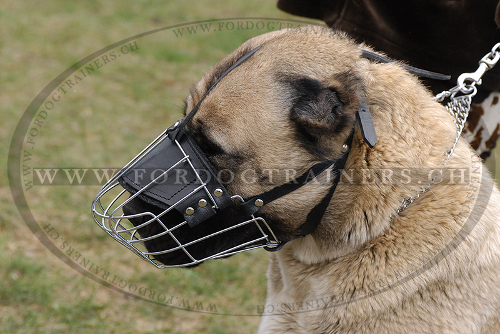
x,y
178,175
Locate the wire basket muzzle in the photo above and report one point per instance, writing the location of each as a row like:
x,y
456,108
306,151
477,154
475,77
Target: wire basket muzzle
x,y
168,206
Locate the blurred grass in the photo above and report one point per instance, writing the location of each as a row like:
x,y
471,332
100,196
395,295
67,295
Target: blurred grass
x,y
108,118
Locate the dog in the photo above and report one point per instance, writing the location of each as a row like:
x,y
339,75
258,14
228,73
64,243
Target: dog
x,y
371,265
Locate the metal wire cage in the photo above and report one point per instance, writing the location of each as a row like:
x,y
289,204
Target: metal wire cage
x,y
107,211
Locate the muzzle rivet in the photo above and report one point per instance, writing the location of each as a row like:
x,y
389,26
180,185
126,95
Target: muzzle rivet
x,y
202,203
189,211
259,202
345,148
218,192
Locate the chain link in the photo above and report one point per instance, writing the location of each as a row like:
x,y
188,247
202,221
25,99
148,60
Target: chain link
x,y
459,107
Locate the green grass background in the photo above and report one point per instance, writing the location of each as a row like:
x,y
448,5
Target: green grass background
x,y
108,118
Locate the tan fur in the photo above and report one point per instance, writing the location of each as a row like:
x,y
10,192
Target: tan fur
x,y
365,269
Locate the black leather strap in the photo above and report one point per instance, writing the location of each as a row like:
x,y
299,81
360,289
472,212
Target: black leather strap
x,y
411,69
365,120
316,214
314,217
250,207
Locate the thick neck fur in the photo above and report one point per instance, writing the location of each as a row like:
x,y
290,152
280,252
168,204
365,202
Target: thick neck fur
x,y
365,260
404,125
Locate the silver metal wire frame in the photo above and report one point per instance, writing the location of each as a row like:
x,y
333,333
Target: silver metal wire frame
x,y
112,220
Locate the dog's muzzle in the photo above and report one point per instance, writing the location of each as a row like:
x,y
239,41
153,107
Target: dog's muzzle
x,y
176,178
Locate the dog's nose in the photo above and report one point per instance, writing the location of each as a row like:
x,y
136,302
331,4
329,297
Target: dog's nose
x,y
144,212
140,209
129,210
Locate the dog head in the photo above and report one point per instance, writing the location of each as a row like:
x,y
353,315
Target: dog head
x,y
288,107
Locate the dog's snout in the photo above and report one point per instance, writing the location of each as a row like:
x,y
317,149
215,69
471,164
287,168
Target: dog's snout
x,y
138,212
130,211
134,210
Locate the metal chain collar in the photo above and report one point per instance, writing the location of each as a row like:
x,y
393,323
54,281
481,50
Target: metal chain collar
x,y
459,106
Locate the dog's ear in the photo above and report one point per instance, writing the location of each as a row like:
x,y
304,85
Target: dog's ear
x,y
317,110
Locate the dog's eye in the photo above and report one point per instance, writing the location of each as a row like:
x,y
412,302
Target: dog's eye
x,y
208,146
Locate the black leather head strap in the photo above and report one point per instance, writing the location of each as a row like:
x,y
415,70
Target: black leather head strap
x,y
254,204
316,214
411,69
365,120
314,217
